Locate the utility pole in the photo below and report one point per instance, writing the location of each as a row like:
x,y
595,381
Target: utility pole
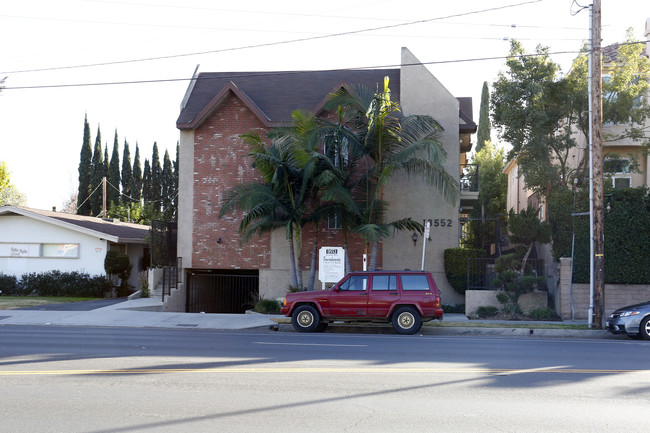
x,y
598,227
104,197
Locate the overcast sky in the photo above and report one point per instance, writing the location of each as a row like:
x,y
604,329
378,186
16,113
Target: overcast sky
x,y
136,57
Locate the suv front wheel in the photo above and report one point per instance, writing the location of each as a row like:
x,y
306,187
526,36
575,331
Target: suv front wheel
x,y
406,320
305,319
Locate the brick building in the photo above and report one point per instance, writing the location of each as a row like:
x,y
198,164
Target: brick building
x,y
219,107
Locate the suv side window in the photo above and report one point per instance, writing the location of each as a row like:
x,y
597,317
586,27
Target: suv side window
x,y
384,282
355,283
415,282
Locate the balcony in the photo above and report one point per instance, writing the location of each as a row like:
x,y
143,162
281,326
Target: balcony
x,y
468,187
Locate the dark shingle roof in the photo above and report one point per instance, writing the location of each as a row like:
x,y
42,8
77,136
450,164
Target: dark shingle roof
x,y
277,94
125,232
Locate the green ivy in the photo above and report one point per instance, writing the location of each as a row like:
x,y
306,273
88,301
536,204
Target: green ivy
x,y
456,266
627,230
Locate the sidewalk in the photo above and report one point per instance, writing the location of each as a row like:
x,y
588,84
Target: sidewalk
x,y
146,313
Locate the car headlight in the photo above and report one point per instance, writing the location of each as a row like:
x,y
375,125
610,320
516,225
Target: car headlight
x,y
629,313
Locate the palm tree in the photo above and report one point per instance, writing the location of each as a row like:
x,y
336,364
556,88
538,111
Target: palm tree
x,y
278,201
389,143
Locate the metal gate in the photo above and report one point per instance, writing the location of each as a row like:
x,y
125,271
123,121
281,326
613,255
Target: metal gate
x,y
222,291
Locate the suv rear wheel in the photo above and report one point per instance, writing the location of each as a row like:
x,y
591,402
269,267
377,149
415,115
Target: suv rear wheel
x,y
406,320
305,319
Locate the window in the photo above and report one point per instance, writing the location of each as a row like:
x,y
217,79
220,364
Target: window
x,y
357,283
60,250
618,172
334,221
384,282
415,282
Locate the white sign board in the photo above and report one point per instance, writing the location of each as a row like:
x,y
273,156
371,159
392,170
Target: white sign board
x,y
331,264
20,250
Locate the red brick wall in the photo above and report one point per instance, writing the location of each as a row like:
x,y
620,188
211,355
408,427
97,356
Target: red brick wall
x,y
220,162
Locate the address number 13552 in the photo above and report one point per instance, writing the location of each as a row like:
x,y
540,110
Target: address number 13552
x,y
441,222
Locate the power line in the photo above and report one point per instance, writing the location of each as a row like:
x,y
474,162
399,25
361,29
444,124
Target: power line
x,y
269,44
235,75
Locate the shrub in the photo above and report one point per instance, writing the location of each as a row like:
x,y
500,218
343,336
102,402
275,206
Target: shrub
x,y
456,266
543,314
8,285
267,306
484,312
119,264
459,308
57,283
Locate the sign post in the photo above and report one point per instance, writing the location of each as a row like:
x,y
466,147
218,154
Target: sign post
x,y
427,229
331,265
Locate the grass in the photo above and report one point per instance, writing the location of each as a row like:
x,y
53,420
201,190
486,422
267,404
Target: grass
x,y
14,302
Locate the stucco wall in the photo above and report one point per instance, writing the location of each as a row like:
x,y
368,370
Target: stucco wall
x,y
422,93
20,229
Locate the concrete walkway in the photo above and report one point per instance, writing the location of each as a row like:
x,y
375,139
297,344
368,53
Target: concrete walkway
x,y
146,313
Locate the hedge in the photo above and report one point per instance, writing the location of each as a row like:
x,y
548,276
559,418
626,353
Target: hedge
x,y
55,283
456,266
627,230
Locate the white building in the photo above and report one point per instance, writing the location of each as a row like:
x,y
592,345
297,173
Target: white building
x,y
39,241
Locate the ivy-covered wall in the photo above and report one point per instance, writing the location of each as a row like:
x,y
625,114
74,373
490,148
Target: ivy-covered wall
x,y
627,239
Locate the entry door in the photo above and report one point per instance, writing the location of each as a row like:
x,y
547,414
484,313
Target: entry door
x,y
351,299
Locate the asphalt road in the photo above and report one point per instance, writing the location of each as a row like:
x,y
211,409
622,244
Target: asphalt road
x,y
175,380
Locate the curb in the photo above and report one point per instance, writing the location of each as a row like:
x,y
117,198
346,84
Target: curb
x,y
466,331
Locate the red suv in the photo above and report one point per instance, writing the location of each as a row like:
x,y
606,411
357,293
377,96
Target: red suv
x,y
403,298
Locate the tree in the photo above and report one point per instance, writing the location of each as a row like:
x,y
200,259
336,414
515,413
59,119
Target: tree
x,y
127,173
156,178
530,106
625,88
278,200
9,194
392,143
85,172
493,188
114,177
167,188
527,229
483,132
136,179
175,175
147,194
97,176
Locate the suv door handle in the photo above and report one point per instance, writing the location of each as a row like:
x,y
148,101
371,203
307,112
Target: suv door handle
x,y
394,293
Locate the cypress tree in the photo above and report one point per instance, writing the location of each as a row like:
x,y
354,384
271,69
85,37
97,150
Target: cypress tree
x,y
127,174
156,178
167,187
483,132
136,179
176,190
85,172
146,184
98,173
113,190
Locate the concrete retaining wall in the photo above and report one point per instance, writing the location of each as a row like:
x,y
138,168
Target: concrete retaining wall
x,y
616,295
488,298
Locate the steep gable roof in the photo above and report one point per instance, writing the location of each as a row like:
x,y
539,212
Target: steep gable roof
x,y
273,96
117,232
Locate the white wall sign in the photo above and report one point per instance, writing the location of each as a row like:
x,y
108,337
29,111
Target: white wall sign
x,y
20,250
331,264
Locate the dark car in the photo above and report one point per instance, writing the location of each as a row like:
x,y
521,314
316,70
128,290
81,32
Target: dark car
x,y
403,298
633,320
